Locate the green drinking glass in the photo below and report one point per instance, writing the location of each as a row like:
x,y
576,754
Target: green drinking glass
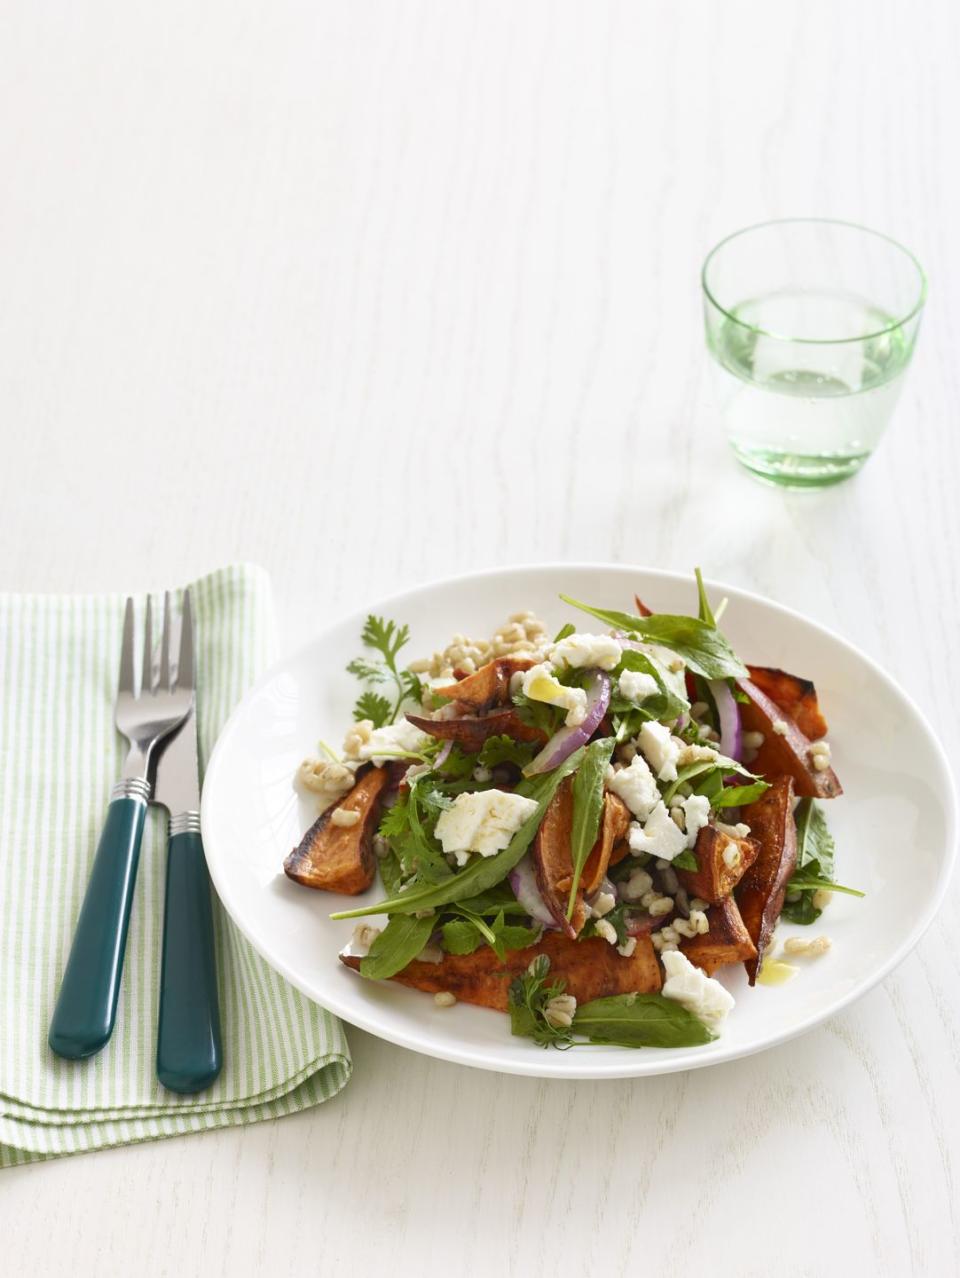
x,y
811,324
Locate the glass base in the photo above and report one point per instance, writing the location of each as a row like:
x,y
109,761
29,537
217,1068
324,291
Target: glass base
x,y
798,470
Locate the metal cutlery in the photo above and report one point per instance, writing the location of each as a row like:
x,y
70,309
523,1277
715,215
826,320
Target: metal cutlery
x,y
86,1008
188,1037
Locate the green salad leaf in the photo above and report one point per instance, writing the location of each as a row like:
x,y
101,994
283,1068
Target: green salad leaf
x,y
640,1020
703,647
587,805
815,861
400,941
482,872
706,612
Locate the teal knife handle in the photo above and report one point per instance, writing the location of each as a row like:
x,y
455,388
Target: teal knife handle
x,y
86,1007
188,1042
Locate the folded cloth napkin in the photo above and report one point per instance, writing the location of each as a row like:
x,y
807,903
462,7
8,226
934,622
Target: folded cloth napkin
x,y
59,756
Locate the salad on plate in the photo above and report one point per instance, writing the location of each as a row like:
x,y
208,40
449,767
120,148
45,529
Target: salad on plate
x,y
578,830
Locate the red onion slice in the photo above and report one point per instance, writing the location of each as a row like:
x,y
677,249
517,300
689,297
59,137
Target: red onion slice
x,y
523,880
728,712
563,743
444,754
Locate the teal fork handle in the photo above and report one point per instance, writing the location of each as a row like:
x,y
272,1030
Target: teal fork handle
x,y
188,1041
86,1007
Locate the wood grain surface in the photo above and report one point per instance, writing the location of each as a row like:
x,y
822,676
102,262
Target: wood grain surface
x,y
371,293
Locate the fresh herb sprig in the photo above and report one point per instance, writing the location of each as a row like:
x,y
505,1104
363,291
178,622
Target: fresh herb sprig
x,y
528,997
386,638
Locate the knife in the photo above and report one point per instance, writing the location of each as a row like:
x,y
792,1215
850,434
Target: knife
x,y
189,1055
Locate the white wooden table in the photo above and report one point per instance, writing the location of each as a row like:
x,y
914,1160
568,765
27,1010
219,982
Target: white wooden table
x,y
377,292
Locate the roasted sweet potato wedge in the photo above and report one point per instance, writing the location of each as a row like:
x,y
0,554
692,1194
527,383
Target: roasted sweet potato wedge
x,y
591,969
489,687
785,752
728,940
470,732
794,696
614,823
715,878
760,892
552,861
339,858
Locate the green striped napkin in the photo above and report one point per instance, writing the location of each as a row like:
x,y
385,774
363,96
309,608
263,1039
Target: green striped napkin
x,y
59,756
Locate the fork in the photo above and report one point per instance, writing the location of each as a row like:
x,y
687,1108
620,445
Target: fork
x,y
86,1008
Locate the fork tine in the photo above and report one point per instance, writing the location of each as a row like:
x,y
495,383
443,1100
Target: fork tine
x,y
164,684
185,663
125,683
146,679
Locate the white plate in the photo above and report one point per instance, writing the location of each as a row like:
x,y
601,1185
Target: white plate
x,y
895,827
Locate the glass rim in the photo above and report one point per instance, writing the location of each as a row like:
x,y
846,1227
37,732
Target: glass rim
x,y
817,221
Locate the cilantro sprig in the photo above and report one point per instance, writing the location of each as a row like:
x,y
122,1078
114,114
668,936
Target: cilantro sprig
x,y
386,638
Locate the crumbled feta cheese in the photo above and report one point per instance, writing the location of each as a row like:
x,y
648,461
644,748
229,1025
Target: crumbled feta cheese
x,y
444,999
636,787
780,727
482,821
658,835
600,652
539,684
637,685
628,947
559,1011
606,930
696,814
700,994
811,949
344,818
661,750
383,744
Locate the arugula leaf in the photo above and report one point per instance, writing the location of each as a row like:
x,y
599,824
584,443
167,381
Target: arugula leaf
x,y
737,796
816,882
482,872
528,997
703,648
370,705
587,804
706,612
564,631
814,840
504,749
815,860
400,941
391,874
640,1020
409,832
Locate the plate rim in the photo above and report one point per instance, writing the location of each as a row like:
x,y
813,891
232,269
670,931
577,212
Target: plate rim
x,y
542,1066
